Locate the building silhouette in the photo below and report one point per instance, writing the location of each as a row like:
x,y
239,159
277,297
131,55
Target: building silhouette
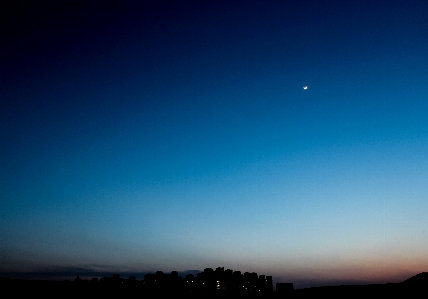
x,y
209,280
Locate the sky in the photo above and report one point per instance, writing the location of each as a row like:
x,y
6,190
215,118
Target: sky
x,y
176,135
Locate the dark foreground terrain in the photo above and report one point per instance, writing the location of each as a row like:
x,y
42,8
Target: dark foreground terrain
x,y
414,287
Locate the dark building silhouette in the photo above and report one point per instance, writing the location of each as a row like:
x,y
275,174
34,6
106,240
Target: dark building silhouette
x,y
220,280
190,283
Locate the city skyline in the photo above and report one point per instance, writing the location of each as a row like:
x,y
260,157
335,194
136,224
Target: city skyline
x,y
139,136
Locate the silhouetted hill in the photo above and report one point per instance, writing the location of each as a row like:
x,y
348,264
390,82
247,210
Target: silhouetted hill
x,y
414,287
419,279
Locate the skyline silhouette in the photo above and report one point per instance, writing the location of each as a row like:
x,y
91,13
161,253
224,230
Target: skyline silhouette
x,y
218,283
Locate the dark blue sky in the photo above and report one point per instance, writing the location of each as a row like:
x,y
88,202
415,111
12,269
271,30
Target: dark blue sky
x,y
176,135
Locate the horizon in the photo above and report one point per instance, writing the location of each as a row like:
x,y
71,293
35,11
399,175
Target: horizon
x,y
67,275
139,136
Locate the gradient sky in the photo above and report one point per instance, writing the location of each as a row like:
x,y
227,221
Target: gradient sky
x,y
176,135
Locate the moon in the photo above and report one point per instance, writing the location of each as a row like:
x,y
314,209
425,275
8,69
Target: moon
x,y
305,87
